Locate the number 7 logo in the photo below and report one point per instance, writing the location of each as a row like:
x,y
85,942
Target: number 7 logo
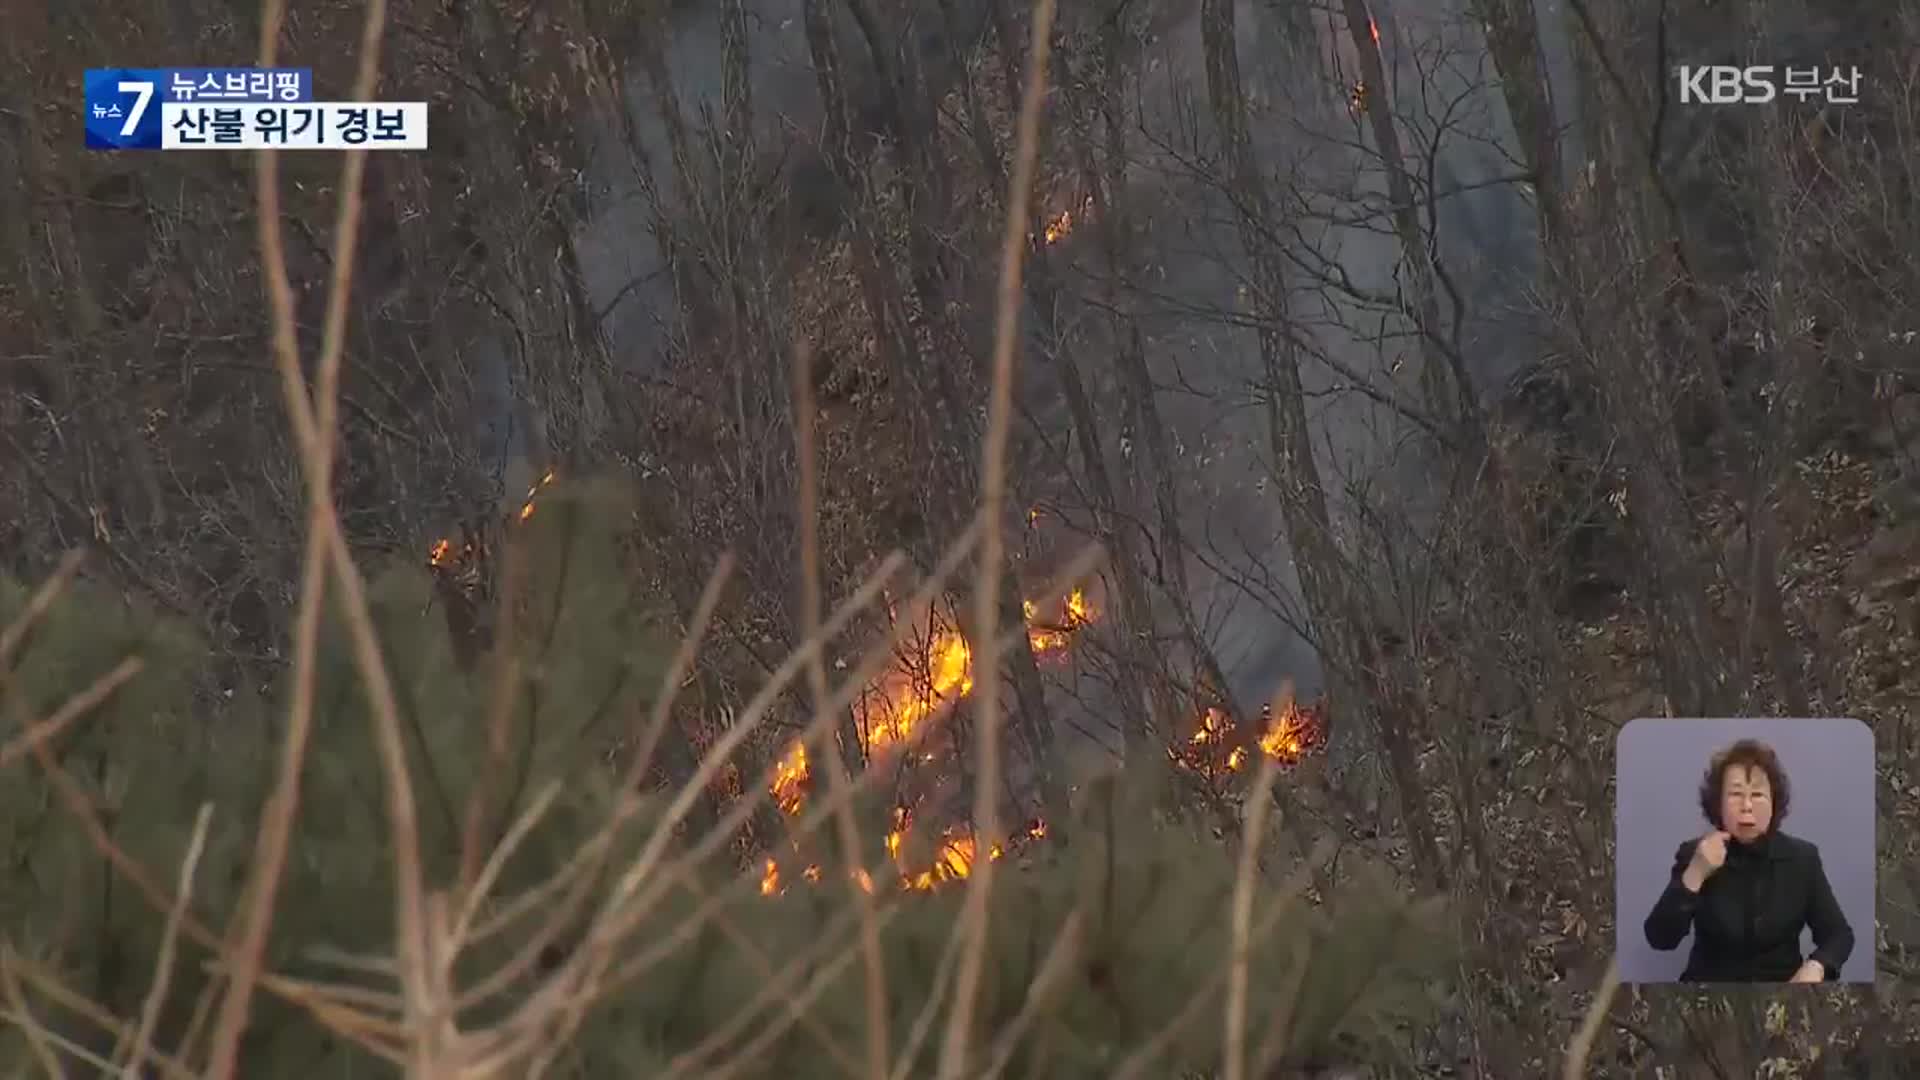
x,y
142,97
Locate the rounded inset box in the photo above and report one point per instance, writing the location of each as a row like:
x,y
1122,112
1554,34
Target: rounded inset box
x,y
1744,851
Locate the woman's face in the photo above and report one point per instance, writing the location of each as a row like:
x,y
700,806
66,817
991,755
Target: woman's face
x,y
1746,802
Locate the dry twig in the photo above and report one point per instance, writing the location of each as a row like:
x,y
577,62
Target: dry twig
x,y
1581,1048
37,606
20,1016
878,1053
1235,1047
993,481
42,731
50,986
141,1050
313,420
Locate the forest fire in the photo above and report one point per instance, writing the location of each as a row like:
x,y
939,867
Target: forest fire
x,y
899,702
956,854
790,780
772,885
1288,733
953,860
1044,637
897,705
1061,225
445,554
526,505
1287,736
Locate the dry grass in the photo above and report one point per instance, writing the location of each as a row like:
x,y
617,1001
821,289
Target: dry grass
x,y
436,926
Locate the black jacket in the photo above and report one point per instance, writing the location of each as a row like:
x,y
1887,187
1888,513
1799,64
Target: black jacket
x,y
1746,919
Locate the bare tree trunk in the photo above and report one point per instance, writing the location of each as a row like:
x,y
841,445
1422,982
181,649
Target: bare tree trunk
x,y
1333,605
1796,368
1136,614
1625,361
888,320
1667,235
1113,223
978,127
1136,383
1513,40
1135,610
1453,396
1032,724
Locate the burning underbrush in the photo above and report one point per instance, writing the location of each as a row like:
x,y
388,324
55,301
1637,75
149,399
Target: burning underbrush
x,y
1063,224
1216,749
933,672
465,557
898,709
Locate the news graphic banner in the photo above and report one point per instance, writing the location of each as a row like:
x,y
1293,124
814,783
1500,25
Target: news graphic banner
x,y
311,125
238,109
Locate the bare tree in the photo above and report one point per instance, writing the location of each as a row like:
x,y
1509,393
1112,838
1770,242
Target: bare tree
x,y
1336,609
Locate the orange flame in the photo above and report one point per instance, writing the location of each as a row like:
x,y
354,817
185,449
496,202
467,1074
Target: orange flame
x,y
902,705
1293,734
790,780
1061,225
899,702
1286,736
1288,733
1374,29
443,554
1045,638
526,505
957,855
953,859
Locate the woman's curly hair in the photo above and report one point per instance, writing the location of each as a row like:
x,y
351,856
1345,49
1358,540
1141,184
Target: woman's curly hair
x,y
1748,754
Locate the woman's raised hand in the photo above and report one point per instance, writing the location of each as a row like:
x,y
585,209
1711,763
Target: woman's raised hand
x,y
1709,855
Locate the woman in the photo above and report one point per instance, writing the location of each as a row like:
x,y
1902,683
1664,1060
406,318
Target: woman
x,y
1745,889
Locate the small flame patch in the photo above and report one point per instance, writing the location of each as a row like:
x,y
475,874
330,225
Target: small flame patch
x,y
445,554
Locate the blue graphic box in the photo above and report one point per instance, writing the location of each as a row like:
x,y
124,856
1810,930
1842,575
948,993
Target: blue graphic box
x,y
123,105
123,108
